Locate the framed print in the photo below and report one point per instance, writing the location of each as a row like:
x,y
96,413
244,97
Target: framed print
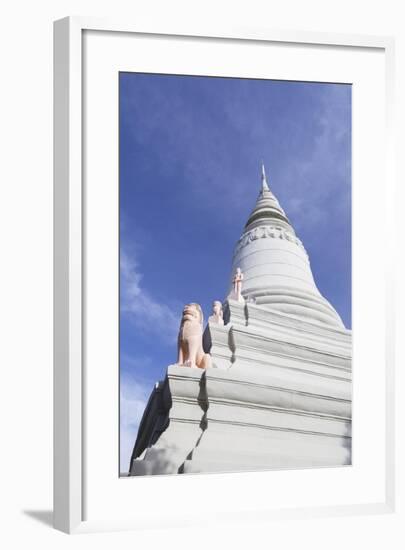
x,y
217,218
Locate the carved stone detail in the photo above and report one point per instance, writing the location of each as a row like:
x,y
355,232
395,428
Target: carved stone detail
x,y
217,313
190,347
236,293
265,232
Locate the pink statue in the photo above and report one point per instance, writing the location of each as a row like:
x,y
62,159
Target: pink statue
x,y
190,349
237,284
217,313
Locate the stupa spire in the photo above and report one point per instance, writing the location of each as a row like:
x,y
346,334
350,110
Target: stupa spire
x,y
265,185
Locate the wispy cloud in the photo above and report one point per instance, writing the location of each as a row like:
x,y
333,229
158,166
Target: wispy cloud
x,y
324,173
147,313
133,399
303,146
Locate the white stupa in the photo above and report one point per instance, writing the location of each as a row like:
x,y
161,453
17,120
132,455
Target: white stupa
x,y
278,394
276,269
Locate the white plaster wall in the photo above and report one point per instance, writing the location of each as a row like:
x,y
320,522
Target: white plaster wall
x,y
273,399
277,273
274,261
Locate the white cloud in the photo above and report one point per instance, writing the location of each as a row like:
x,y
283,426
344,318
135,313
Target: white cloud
x,y
147,313
324,174
150,316
133,399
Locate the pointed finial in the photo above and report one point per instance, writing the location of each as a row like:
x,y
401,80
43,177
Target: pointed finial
x,y
265,186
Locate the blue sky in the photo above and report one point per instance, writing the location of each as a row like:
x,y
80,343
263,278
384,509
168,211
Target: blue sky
x,y
190,154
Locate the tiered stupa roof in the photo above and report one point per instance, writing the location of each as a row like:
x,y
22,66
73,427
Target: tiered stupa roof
x,y
276,268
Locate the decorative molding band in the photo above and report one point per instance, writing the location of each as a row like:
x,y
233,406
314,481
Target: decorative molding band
x,y
279,429
268,363
244,353
281,410
294,391
265,232
259,313
244,331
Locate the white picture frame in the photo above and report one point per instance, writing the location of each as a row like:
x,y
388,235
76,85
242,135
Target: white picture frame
x,y
71,434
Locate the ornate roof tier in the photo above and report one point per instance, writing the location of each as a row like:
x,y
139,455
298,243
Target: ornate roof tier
x,y
267,208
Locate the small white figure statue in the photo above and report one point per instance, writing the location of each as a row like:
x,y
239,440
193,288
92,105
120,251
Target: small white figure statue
x,y
190,349
237,285
217,313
